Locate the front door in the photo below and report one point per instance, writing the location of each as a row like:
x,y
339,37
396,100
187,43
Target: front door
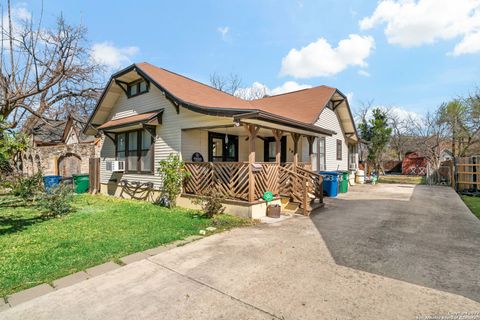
x,y
222,147
269,150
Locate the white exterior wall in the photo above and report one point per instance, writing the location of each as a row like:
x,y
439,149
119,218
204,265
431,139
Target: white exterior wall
x,y
168,134
197,141
329,120
170,138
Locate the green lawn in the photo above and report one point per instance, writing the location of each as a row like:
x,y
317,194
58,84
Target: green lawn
x,y
34,250
473,203
401,179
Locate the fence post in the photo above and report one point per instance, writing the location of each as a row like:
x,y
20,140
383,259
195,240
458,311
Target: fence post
x,y
455,175
305,196
474,175
452,175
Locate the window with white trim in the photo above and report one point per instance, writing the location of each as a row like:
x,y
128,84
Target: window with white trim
x,y
136,149
137,87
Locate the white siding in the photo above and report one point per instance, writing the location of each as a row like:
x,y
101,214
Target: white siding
x,y
329,120
168,134
170,138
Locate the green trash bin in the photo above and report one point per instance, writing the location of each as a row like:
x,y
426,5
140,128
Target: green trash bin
x,y
344,182
81,182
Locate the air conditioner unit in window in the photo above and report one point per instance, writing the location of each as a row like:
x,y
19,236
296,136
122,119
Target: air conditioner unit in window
x,y
352,167
115,166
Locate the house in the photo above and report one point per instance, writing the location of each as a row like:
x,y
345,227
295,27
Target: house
x,y
59,147
446,155
239,148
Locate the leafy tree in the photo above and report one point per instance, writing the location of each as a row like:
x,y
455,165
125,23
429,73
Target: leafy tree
x,y
11,145
462,117
172,172
376,132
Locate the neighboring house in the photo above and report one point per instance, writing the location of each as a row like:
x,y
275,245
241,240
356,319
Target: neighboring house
x,y
446,155
240,148
59,148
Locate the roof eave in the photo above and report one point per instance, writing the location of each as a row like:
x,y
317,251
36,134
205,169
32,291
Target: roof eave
x,y
261,115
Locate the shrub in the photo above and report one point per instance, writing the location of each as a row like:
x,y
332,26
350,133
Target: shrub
x,y
172,172
57,201
211,204
27,187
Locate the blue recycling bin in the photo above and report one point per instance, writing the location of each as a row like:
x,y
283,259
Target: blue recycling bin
x,y
51,181
330,182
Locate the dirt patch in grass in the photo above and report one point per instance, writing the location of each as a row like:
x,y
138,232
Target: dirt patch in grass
x,y
401,179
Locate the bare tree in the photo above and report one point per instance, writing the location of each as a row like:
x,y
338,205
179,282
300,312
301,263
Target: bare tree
x,y
400,138
43,71
257,91
429,132
229,84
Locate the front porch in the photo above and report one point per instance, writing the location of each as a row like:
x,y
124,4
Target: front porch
x,y
244,178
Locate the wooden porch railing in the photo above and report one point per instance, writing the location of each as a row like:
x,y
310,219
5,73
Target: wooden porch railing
x,y
231,180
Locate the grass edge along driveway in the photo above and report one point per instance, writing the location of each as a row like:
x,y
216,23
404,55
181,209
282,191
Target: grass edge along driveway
x,y
473,203
35,250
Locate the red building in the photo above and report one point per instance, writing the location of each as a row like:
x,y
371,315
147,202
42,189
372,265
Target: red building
x,y
414,164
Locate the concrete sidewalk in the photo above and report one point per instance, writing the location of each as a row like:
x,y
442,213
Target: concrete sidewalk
x,y
276,271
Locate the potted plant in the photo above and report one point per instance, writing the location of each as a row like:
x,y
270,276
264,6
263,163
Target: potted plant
x,y
273,210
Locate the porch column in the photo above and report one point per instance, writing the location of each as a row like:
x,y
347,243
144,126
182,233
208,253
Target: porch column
x,y
252,135
296,138
311,141
277,134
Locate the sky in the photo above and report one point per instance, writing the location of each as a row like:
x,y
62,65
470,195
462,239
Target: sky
x,y
408,55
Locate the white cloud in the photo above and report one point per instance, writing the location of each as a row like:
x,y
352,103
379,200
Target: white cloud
x,y
257,90
21,18
319,58
349,97
113,57
405,115
469,44
223,31
363,73
289,86
412,23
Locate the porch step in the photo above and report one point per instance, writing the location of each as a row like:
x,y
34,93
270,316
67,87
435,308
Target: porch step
x,y
290,208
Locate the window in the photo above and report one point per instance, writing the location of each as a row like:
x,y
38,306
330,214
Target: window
x,y
321,154
270,150
137,87
352,155
222,147
136,149
339,149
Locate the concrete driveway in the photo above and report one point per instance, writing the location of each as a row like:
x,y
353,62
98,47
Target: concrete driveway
x,y
276,271
419,234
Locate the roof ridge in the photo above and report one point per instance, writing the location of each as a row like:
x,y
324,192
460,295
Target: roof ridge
x,y
290,92
199,82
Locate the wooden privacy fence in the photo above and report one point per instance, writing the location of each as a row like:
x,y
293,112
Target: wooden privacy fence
x,y
231,180
467,171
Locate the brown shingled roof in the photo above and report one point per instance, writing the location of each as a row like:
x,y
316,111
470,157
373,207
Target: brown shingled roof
x,y
138,118
303,105
192,91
